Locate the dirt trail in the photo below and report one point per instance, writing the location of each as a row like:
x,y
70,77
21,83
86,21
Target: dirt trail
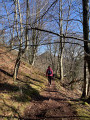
x,y
53,106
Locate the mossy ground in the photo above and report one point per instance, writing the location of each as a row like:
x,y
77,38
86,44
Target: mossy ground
x,y
81,108
15,96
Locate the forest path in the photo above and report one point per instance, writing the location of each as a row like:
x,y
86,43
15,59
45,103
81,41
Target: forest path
x,y
53,106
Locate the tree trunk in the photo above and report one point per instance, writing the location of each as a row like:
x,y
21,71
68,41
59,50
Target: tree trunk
x,y
61,39
21,26
88,91
86,49
17,64
21,50
84,85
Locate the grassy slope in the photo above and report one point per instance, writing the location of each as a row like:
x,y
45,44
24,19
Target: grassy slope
x,y
81,108
16,96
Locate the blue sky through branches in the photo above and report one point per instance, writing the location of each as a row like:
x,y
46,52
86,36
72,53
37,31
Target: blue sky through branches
x,y
51,19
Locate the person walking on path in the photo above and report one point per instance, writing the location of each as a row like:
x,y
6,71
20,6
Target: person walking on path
x,y
49,74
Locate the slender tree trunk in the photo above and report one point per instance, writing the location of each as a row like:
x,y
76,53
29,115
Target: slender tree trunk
x,y
18,58
61,32
86,49
61,39
13,31
84,86
27,18
34,57
21,26
21,50
17,64
16,7
88,92
35,34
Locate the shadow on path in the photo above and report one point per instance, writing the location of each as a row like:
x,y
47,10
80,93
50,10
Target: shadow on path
x,y
51,105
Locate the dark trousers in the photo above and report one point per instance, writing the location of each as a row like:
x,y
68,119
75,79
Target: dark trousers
x,y
49,79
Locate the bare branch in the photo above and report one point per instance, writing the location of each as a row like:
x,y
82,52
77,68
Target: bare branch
x,y
64,36
46,11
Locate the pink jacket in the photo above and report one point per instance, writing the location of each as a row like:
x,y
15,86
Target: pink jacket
x,y
47,72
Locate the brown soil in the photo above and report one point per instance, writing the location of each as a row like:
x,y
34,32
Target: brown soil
x,y
51,106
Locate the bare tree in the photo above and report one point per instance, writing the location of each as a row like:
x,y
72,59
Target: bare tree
x,y
86,47
35,35
60,55
21,49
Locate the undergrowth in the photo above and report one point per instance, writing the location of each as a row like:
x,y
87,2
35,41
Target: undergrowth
x,y
15,96
80,107
83,109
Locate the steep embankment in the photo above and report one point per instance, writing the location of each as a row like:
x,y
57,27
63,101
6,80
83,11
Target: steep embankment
x,y
29,97
15,96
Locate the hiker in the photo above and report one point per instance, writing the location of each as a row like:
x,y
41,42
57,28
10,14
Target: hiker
x,y
49,74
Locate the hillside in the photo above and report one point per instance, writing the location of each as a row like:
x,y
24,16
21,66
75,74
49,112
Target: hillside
x,y
15,96
44,60
30,97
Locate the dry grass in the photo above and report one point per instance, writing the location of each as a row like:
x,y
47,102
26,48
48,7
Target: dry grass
x,y
81,108
15,96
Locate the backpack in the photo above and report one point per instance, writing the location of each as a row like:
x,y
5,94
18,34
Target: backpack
x,y
49,72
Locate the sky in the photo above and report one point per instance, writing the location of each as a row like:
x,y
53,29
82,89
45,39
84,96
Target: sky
x,y
50,23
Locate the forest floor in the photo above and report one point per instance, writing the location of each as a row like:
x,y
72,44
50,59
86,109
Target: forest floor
x,y
30,97
53,105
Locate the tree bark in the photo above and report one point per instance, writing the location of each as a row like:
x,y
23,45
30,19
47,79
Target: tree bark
x,y
61,39
86,49
16,68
